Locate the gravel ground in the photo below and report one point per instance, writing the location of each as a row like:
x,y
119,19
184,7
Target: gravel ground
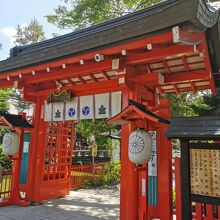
x,y
89,204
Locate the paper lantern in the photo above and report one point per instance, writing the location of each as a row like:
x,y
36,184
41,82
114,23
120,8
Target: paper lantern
x,y
11,143
140,147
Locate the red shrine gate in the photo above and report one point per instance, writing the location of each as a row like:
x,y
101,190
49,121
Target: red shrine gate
x,y
139,55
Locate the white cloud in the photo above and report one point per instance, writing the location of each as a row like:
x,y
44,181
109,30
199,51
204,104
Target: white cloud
x,y
9,32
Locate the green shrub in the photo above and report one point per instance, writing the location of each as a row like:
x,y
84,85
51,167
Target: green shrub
x,y
6,164
112,173
111,176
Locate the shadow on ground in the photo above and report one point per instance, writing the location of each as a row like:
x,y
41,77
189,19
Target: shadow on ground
x,y
79,205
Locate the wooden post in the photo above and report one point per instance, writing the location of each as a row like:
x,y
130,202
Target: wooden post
x,y
164,176
129,181
35,158
185,180
129,176
164,166
178,189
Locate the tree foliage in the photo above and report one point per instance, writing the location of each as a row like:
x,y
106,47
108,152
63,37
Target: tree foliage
x,y
32,33
29,34
199,104
78,14
18,102
97,131
4,99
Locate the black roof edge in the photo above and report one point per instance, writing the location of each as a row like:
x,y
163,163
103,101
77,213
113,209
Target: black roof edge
x,y
197,127
197,16
94,28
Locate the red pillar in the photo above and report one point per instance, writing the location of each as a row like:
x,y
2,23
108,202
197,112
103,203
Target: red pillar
x,y
164,167
129,175
35,157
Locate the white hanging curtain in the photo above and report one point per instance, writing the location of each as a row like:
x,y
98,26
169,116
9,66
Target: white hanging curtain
x,y
58,111
98,106
115,103
71,110
86,107
102,106
48,112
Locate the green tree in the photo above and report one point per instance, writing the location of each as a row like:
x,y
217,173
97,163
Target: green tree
x,y
4,99
78,14
96,131
29,34
4,106
203,103
182,104
32,33
18,102
207,104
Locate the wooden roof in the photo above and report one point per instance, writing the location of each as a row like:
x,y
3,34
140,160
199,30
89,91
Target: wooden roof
x,y
13,121
133,112
147,22
194,127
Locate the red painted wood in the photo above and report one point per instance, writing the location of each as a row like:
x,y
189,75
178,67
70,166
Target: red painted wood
x,y
162,38
85,89
36,156
208,66
218,212
159,54
197,75
129,176
164,168
70,72
83,173
209,212
143,199
198,211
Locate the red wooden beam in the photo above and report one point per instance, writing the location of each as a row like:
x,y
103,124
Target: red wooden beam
x,y
70,81
153,79
187,76
149,79
158,39
159,54
208,66
70,72
93,77
105,75
186,89
4,84
85,89
81,79
185,64
166,66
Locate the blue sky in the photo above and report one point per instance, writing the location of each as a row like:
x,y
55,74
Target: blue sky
x,y
21,12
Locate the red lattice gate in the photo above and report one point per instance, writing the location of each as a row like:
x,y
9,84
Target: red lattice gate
x,y
58,150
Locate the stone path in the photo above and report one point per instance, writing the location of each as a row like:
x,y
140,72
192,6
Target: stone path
x,y
92,204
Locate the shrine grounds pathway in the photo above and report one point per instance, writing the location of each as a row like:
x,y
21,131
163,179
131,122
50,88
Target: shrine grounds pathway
x,y
89,204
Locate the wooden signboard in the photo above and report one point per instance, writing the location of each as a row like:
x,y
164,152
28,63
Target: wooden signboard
x,y
205,172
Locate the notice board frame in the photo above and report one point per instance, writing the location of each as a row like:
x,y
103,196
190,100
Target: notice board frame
x,y
187,196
